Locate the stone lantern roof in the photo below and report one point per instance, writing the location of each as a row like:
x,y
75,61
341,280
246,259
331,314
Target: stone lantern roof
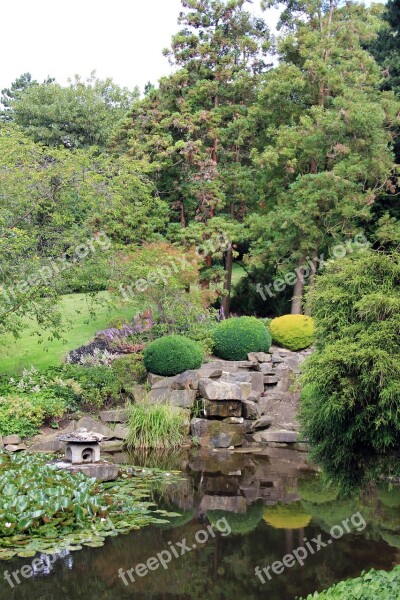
x,y
81,436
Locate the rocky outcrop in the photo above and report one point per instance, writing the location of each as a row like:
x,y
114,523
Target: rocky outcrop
x,y
261,391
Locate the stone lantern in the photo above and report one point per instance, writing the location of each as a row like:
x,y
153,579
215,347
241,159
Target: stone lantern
x,y
82,447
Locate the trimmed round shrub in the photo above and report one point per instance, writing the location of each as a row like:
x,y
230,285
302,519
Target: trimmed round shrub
x,y
236,337
295,332
172,354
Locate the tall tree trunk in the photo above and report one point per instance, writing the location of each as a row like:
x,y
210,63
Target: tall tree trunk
x,y
307,310
226,300
298,289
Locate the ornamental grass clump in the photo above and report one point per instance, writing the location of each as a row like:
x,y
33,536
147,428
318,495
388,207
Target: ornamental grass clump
x,y
156,426
236,337
294,332
172,354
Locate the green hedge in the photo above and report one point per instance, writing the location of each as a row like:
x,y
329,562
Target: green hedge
x,y
236,337
172,354
374,585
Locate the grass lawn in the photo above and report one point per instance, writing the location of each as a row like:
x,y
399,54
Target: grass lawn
x,y
237,273
32,349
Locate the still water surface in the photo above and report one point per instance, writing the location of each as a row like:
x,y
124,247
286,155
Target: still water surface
x,y
270,502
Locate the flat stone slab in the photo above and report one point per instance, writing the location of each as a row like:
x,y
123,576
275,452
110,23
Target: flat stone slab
x,y
119,415
179,398
103,471
15,447
282,437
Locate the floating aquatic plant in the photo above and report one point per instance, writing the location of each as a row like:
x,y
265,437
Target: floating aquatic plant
x,y
44,509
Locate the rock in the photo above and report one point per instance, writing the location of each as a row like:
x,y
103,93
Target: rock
x,y
47,444
230,365
164,382
257,382
15,447
217,434
94,426
235,504
271,380
180,398
112,446
223,408
266,369
203,372
222,390
236,377
234,420
139,393
254,396
260,357
119,415
276,358
282,437
263,422
11,439
152,378
1,443
121,432
103,471
250,410
186,381
158,395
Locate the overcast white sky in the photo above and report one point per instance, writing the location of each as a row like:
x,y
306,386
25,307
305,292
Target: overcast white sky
x,y
122,39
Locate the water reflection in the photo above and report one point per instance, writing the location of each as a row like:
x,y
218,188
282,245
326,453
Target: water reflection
x,y
272,501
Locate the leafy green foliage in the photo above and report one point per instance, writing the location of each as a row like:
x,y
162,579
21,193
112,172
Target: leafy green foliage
x,y
129,369
236,337
240,524
295,332
83,113
172,354
156,426
326,153
351,384
95,387
374,584
44,509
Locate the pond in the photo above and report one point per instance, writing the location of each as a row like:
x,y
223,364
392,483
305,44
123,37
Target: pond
x,y
239,511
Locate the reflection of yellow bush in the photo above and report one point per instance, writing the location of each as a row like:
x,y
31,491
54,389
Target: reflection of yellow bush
x,y
293,331
286,516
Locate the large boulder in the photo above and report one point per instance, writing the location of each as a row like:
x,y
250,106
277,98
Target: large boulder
x,y
223,408
179,398
186,381
94,426
217,434
119,415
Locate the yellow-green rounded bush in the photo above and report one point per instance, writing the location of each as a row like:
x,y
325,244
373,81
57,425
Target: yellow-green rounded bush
x,y
295,332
